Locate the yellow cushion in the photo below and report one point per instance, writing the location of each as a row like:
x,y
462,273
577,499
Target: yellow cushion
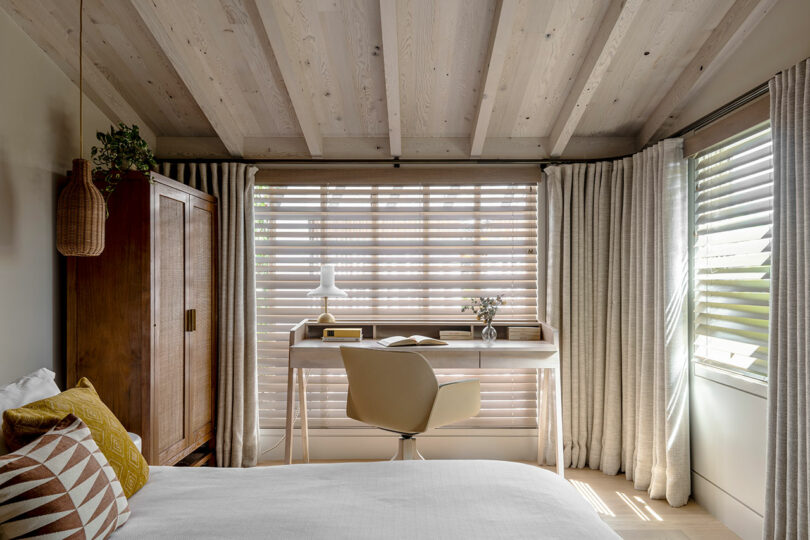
x,y
21,426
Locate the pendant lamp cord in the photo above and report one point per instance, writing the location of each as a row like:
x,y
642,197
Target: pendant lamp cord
x,y
81,79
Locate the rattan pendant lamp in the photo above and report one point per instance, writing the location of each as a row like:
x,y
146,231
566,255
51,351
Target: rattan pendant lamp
x,y
81,210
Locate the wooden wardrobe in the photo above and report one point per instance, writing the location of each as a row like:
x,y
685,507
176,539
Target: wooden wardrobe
x,y
141,317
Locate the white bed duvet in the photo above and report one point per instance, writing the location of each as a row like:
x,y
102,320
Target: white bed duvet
x,y
410,499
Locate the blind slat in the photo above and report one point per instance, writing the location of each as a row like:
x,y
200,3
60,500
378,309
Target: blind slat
x,y
732,252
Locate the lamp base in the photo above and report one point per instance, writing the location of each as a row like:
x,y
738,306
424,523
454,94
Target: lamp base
x,y
326,318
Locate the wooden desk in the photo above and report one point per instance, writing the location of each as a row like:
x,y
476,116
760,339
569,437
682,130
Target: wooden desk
x,y
308,351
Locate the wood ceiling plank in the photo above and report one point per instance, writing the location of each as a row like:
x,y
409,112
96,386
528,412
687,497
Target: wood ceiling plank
x,y
60,43
556,36
442,54
325,64
614,28
499,44
665,37
459,85
121,46
352,29
736,25
274,18
390,51
186,50
242,36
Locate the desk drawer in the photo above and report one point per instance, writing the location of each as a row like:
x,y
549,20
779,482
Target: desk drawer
x,y
451,359
516,359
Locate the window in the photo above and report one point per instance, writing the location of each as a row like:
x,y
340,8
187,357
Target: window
x,y
400,251
733,217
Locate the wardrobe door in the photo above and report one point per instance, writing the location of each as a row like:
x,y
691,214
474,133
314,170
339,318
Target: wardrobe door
x,y
169,399
202,335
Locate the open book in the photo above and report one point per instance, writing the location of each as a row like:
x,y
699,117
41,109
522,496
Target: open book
x,y
400,341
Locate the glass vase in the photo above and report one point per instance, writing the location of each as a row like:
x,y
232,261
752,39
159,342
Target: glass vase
x,y
489,334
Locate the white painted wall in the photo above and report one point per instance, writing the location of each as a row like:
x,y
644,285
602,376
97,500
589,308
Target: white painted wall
x,y
38,140
728,429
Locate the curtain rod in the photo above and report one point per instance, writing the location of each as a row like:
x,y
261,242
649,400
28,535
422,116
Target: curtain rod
x,y
728,108
392,162
701,122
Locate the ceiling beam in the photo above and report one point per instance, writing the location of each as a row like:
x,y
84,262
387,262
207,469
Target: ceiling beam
x,y
736,25
500,38
614,28
58,40
273,22
388,20
187,57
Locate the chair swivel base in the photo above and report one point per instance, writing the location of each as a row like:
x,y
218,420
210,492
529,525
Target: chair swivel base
x,y
406,450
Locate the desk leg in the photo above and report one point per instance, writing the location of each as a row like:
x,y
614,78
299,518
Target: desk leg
x,y
288,426
302,404
558,413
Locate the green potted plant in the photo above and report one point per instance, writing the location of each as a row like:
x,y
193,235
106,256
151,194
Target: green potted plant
x,y
121,150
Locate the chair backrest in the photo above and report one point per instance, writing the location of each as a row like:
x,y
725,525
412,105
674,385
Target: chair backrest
x,y
392,390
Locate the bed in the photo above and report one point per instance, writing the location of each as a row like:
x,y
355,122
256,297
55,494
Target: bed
x,y
404,499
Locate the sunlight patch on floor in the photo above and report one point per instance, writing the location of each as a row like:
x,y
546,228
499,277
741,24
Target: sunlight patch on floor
x,y
648,509
593,499
636,510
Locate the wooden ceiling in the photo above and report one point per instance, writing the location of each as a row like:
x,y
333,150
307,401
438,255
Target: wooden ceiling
x,y
375,79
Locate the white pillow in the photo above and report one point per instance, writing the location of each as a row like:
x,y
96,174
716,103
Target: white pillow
x,y
33,387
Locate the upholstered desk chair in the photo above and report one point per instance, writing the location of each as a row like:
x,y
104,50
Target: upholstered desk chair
x,y
398,391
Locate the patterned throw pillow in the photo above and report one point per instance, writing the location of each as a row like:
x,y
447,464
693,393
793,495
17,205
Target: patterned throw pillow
x,y
23,425
60,486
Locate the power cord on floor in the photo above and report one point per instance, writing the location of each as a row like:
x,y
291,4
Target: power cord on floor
x,y
295,418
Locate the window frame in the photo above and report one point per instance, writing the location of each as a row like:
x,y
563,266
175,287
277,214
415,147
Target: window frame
x,y
748,382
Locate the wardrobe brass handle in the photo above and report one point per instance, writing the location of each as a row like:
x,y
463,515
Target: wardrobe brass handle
x,y
191,320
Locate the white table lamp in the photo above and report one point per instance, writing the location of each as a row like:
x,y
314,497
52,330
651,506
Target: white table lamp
x,y
327,290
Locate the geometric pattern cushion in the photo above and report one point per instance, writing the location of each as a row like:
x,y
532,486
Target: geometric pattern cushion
x,y
21,426
60,486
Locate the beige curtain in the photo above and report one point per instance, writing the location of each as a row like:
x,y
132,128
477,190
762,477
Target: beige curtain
x,y
237,402
787,510
616,275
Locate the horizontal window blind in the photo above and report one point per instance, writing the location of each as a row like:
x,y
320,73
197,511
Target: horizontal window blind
x,y
400,251
732,254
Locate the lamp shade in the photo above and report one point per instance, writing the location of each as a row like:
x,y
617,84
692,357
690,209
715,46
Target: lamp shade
x,y
327,287
80,215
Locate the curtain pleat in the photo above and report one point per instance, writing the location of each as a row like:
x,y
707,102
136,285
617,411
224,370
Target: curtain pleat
x,y
617,283
787,510
237,437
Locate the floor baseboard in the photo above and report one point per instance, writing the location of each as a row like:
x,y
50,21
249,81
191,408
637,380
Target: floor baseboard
x,y
741,519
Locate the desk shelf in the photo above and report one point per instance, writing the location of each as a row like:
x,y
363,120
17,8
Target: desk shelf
x,y
379,329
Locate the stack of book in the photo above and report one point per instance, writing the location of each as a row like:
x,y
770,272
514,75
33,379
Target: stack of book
x,y
523,333
455,334
342,334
